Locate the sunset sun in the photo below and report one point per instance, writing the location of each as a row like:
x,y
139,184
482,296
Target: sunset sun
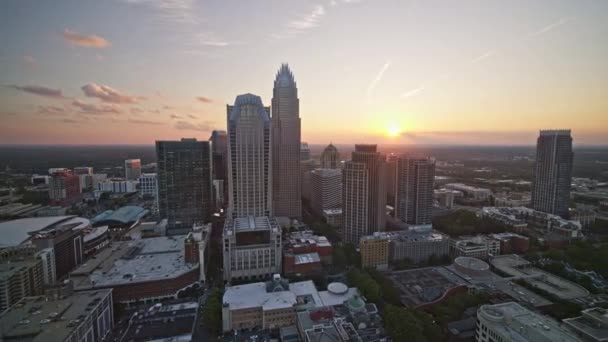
x,y
393,130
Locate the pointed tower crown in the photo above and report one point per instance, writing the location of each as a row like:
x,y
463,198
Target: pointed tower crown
x,y
284,77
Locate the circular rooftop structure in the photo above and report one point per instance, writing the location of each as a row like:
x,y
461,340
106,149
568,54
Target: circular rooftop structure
x,y
471,266
337,288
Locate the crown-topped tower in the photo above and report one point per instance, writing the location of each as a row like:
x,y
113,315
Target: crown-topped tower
x,y
286,137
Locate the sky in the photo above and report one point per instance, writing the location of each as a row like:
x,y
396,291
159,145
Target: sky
x,y
474,72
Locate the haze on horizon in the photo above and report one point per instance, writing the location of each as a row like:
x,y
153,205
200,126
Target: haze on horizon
x,y
382,71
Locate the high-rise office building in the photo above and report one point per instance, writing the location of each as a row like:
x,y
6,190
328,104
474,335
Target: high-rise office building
x,y
249,158
375,163
148,188
391,178
330,158
304,151
83,170
287,198
132,169
219,148
355,193
414,192
326,189
64,187
184,183
553,172
251,237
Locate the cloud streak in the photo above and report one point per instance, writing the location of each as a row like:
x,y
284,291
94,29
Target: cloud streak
x,y
302,24
40,91
412,92
145,122
189,126
204,99
376,80
94,109
108,94
88,41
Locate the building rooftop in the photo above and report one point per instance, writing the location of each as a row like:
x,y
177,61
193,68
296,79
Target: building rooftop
x,y
306,258
250,224
8,269
171,322
95,233
515,266
134,261
593,324
521,324
42,319
329,212
413,234
16,232
254,295
124,215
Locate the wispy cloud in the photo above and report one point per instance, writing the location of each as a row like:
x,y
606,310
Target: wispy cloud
x,y
302,24
412,92
376,80
189,126
108,94
29,61
136,110
547,28
39,90
175,117
145,122
192,116
89,41
94,109
484,55
204,99
51,110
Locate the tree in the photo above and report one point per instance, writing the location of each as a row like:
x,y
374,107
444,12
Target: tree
x,y
365,283
212,312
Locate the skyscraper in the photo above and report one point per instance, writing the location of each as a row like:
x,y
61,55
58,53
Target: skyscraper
x,y
375,164
553,172
304,151
330,158
286,136
184,183
249,153
64,187
414,190
364,193
132,169
251,237
219,147
355,194
326,189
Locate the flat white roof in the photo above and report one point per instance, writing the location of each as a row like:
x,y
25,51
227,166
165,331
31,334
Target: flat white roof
x,y
16,232
136,261
255,295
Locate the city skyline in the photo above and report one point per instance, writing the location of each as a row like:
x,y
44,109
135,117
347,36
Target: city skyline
x,y
470,73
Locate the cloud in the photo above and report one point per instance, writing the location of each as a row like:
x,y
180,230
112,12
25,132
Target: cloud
x,y
189,126
167,107
484,55
549,27
91,41
108,94
204,99
40,90
145,122
378,78
155,111
51,110
71,121
89,108
136,110
302,24
192,116
412,92
175,117
310,20
29,61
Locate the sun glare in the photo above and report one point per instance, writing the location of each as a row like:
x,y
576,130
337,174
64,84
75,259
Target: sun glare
x,y
393,130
